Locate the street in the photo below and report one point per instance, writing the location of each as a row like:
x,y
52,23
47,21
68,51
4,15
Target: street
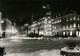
x,y
29,47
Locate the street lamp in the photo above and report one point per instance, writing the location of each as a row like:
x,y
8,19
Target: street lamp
x,y
38,27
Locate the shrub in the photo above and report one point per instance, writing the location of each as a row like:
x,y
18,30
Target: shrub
x,y
71,43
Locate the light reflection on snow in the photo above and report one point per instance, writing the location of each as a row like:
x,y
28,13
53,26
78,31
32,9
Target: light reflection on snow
x,y
15,41
20,37
38,53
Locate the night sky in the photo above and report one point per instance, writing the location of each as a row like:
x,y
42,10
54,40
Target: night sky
x,y
20,11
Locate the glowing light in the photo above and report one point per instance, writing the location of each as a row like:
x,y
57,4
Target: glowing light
x,y
74,18
63,33
42,18
78,25
2,21
59,14
45,19
78,18
49,21
67,26
70,33
79,33
49,17
74,25
67,19
60,20
76,32
25,24
55,27
70,19
64,27
56,15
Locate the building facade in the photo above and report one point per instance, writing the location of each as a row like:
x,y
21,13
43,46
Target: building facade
x,y
67,25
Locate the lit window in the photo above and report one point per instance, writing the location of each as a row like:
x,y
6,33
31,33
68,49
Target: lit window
x,y
67,26
74,18
56,15
78,18
46,19
55,27
60,20
70,26
78,25
49,21
74,25
63,33
76,32
79,33
42,18
59,14
53,23
70,19
49,17
67,19
70,33
64,27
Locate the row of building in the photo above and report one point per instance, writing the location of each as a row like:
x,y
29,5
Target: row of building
x,y
62,26
7,26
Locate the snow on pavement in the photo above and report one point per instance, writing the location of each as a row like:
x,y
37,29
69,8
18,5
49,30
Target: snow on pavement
x,y
38,53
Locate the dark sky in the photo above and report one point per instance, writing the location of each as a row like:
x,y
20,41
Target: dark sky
x,y
20,11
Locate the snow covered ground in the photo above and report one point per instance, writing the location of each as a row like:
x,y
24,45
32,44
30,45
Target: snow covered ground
x,y
14,47
38,53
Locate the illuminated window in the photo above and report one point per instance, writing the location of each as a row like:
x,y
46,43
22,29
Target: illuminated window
x,y
46,19
67,19
79,33
59,14
55,27
63,33
70,26
78,18
64,27
74,18
53,23
67,26
76,32
49,21
74,25
70,19
70,33
42,18
78,25
60,20
56,15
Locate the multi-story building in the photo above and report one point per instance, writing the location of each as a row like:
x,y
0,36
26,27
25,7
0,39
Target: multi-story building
x,y
34,27
42,26
67,25
8,27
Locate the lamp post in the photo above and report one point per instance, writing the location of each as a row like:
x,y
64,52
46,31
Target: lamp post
x,y
38,27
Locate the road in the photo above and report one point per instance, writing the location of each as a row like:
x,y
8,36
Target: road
x,y
29,47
